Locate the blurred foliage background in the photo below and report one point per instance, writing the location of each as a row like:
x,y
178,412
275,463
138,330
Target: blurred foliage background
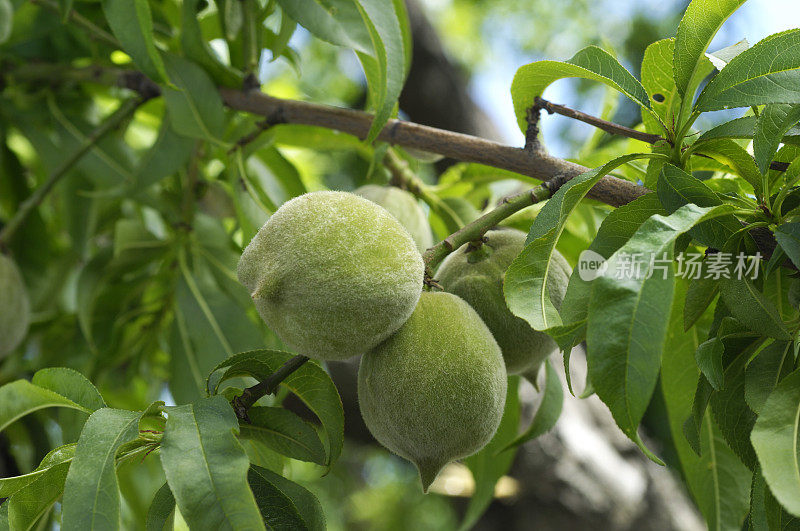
x,y
109,317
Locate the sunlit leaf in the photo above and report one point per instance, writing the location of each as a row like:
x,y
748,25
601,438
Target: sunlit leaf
x,y
132,24
589,63
206,467
769,72
21,398
386,67
91,493
697,28
335,21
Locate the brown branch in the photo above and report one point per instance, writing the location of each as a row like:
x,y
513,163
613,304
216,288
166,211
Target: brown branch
x,y
531,162
253,394
609,190
608,127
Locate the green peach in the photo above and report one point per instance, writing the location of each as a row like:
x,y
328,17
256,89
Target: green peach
x,y
405,208
477,277
332,274
435,390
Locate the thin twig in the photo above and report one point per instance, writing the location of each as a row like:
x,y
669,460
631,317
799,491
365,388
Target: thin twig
x,y
608,127
252,136
253,394
36,198
476,229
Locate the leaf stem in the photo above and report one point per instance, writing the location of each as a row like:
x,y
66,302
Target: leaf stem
x,y
475,230
253,394
682,134
35,199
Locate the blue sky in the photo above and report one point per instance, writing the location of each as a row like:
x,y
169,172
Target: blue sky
x,y
490,88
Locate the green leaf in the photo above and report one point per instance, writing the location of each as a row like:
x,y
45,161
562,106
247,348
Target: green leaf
x,y
757,519
6,20
62,454
91,493
731,413
321,138
525,285
335,21
28,505
677,188
589,63
616,229
194,104
209,324
697,28
161,514
717,480
775,439
699,296
487,466
628,317
751,308
386,75
21,398
310,383
166,156
769,72
206,467
765,511
788,236
278,45
549,409
198,50
743,127
773,123
132,24
70,384
692,428
283,503
658,81
284,432
734,156
723,56
765,371
709,360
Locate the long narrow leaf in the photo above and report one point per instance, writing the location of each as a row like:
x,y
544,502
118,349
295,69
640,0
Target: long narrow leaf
x,y
206,467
